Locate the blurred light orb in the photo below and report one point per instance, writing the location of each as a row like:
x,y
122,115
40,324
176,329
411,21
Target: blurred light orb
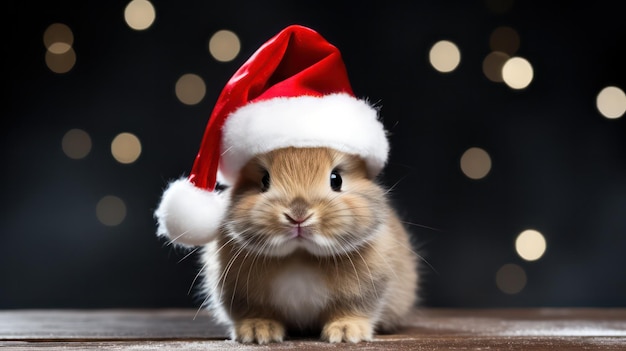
x,y
530,245
76,144
126,148
139,14
511,278
61,63
224,45
504,39
475,163
492,65
58,38
111,210
517,73
190,89
611,102
445,56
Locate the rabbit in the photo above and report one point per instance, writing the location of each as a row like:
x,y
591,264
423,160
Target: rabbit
x,y
309,246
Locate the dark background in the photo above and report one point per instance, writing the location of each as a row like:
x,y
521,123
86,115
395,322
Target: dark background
x,y
558,166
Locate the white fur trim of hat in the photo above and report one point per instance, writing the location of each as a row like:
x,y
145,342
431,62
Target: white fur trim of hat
x,y
337,121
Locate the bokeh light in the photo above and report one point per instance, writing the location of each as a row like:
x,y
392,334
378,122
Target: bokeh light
x,y
61,63
224,45
76,144
111,210
511,278
504,39
530,245
58,38
445,56
126,148
492,65
190,89
517,73
475,163
139,14
611,102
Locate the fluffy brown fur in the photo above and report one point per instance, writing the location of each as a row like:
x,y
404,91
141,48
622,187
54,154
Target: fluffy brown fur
x,y
296,256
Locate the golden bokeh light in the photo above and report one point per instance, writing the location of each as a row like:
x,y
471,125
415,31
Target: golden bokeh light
x,y
190,89
475,163
517,73
444,56
511,278
111,210
224,45
611,102
126,148
61,63
492,65
58,38
530,245
139,14
76,144
504,39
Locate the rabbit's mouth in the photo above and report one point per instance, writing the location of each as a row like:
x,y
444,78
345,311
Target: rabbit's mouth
x,y
300,232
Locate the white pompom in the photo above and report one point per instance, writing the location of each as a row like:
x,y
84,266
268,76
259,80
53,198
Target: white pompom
x,y
189,215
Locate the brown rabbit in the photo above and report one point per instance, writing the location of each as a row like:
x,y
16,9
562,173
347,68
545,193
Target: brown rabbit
x,y
309,244
304,241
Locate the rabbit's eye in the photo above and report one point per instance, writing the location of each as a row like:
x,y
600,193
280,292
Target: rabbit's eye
x,y
265,181
335,180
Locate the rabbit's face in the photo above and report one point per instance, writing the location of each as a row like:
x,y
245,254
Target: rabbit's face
x,y
313,199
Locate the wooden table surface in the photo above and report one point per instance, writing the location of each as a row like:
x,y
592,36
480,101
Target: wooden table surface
x,y
428,329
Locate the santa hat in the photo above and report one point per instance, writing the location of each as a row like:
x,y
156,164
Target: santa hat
x,y
293,91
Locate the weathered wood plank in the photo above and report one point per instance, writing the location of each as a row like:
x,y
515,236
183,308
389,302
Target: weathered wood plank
x,y
108,324
428,329
427,343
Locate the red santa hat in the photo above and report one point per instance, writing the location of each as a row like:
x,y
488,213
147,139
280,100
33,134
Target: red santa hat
x,y
293,91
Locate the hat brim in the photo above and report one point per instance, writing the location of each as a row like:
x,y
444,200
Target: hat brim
x,y
339,121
